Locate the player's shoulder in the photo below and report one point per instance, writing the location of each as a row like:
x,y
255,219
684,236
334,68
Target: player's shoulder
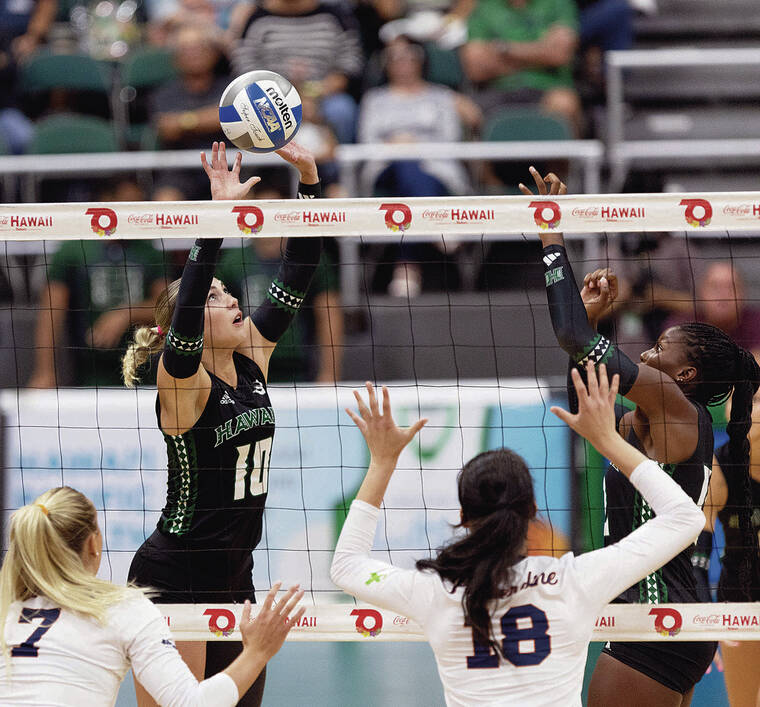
x,y
132,613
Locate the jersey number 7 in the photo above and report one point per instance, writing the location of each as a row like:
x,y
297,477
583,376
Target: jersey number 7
x,y
514,634
253,463
28,649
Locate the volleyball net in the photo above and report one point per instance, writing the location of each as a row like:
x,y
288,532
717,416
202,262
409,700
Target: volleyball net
x,y
473,350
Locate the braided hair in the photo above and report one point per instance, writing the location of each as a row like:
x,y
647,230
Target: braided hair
x,y
496,496
724,368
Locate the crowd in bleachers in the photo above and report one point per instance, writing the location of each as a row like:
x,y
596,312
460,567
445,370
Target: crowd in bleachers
x,y
110,75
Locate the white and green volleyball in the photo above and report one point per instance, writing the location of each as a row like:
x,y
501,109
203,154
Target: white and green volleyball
x,y
260,111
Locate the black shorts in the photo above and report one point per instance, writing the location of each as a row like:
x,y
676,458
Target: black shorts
x,y
183,575
678,666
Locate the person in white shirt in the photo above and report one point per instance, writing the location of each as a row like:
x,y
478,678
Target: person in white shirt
x,y
508,629
69,638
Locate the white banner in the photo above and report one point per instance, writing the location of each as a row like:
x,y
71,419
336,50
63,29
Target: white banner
x,y
489,215
349,622
106,443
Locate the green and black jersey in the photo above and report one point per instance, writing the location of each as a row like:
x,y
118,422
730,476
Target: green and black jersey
x,y
626,510
219,469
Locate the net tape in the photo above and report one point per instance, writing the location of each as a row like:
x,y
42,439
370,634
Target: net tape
x,y
349,622
495,215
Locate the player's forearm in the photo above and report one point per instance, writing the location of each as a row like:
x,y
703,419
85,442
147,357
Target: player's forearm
x,y
329,326
246,668
375,484
570,322
184,341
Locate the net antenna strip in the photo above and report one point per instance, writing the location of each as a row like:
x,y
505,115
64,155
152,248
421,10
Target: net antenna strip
x,y
423,218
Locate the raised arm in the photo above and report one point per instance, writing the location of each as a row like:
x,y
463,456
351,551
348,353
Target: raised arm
x,y
656,393
353,569
299,262
183,383
603,574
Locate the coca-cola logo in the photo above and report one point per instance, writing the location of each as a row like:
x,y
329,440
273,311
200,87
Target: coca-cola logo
x,y
708,620
435,214
698,212
400,620
369,622
141,219
103,221
667,622
546,214
288,217
250,219
221,622
398,217
586,212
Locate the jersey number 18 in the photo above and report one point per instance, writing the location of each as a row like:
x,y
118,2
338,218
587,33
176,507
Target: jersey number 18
x,y
253,463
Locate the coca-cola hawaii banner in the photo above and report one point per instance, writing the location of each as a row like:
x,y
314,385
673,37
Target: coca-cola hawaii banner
x,y
494,215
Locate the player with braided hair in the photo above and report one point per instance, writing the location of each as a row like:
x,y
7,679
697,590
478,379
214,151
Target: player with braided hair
x,y
734,499
690,367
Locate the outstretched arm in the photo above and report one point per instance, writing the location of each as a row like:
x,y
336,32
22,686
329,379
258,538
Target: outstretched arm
x,y
299,262
658,395
183,384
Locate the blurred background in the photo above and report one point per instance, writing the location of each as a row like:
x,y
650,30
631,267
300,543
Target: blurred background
x,y
109,101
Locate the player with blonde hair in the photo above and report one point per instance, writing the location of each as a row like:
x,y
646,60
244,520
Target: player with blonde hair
x,y
69,637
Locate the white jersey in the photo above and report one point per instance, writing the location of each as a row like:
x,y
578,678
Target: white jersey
x,y
546,619
61,658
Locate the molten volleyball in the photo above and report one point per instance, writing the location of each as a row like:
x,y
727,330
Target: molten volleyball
x,y
260,111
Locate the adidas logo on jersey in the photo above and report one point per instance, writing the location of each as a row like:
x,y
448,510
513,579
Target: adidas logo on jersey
x,y
226,399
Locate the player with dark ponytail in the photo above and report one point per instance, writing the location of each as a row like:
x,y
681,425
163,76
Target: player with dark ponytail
x,y
506,628
496,496
690,367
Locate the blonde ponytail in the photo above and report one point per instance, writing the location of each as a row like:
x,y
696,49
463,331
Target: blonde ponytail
x,y
148,341
44,559
145,343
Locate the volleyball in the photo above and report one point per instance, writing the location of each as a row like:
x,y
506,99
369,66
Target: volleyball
x,y
260,111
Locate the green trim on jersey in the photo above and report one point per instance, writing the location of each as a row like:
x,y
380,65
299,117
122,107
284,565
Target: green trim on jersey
x,y
183,482
183,345
652,589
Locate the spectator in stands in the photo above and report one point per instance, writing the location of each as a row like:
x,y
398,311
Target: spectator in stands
x,y
409,109
185,111
440,21
313,44
95,291
521,52
312,347
722,301
167,16
24,25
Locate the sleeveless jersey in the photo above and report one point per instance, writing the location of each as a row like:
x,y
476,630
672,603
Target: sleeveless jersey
x,y
219,469
729,587
626,510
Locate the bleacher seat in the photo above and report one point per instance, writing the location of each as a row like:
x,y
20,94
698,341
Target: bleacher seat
x,y
68,133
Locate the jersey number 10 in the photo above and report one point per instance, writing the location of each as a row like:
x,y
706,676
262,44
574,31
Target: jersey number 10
x,y
253,463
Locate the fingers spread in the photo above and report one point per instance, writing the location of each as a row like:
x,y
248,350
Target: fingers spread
x,y
540,183
562,414
372,399
363,409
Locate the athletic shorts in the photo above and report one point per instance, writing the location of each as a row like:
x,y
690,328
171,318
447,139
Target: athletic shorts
x,y
182,575
678,666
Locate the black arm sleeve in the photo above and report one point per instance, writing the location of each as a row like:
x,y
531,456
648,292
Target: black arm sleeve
x,y
184,340
574,334
287,291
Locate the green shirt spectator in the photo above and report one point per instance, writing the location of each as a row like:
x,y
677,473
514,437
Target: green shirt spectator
x,y
96,290
505,21
311,349
522,51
